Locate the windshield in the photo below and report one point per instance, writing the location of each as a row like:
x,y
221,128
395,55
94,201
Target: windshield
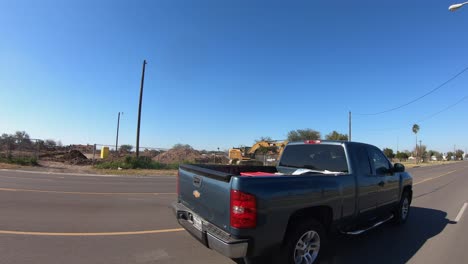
x,y
315,157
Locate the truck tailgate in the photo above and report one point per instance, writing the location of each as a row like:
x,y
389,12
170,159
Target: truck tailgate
x,y
208,196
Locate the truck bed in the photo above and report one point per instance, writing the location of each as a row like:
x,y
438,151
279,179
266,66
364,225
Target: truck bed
x,y
225,172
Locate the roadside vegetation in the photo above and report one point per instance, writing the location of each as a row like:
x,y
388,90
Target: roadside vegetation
x,y
130,162
24,161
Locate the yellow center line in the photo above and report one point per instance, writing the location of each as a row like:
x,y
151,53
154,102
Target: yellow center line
x,y
144,232
88,193
433,178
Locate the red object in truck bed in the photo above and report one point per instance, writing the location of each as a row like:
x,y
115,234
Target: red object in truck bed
x,y
258,173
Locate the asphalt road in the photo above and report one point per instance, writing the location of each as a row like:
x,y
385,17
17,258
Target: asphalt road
x,y
60,218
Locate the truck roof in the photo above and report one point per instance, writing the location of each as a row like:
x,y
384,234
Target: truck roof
x,y
319,141
327,142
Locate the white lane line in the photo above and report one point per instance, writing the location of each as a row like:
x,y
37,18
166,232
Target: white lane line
x,y
461,213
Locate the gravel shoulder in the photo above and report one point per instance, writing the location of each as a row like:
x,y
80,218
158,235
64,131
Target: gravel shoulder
x,y
60,167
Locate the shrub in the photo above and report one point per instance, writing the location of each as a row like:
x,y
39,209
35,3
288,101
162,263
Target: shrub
x,y
25,161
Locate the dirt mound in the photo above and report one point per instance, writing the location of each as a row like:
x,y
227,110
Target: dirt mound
x,y
74,154
75,157
178,155
51,154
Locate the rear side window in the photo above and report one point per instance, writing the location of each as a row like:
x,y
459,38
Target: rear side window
x,y
315,157
363,161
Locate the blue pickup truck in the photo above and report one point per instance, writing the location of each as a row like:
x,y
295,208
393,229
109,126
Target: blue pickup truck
x,y
250,213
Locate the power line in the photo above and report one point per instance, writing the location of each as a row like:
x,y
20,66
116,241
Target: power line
x,y
426,118
443,110
420,97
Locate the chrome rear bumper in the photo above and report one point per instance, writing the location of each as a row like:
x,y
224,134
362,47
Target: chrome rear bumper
x,y
210,235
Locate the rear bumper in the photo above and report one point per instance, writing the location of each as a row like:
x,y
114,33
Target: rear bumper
x,y
210,235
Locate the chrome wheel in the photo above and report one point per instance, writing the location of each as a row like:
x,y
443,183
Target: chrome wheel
x,y
307,248
405,208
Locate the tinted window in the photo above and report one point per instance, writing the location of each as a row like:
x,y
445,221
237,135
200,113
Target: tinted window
x,y
381,164
363,161
315,157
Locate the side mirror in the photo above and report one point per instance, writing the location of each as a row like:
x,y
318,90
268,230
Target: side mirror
x,y
398,167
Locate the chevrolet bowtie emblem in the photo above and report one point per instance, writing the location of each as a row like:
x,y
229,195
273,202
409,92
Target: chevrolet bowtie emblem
x,y
196,194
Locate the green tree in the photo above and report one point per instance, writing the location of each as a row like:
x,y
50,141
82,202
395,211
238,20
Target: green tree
x,y
21,134
303,134
415,130
440,156
450,155
125,148
434,153
50,143
263,139
459,154
389,153
336,136
421,150
402,156
40,143
6,139
22,138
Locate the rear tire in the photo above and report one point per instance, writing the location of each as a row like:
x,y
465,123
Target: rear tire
x,y
304,243
403,209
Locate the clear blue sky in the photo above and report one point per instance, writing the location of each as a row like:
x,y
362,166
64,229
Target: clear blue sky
x,y
224,73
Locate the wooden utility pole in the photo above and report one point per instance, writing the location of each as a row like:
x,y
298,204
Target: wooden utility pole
x,y
117,136
139,109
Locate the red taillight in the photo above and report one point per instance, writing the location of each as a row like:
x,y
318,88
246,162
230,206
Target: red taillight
x,y
178,184
243,210
312,141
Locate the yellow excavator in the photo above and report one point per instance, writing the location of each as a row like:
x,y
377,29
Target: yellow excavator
x,y
246,155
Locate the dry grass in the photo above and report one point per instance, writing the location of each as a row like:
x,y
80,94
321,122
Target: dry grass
x,y
427,164
9,166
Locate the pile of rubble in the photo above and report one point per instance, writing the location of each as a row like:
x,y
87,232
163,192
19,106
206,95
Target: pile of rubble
x,y
189,155
178,155
75,157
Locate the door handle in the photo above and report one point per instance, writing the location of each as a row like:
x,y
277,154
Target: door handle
x,y
381,184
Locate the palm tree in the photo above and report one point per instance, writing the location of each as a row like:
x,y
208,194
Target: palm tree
x,y
415,131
